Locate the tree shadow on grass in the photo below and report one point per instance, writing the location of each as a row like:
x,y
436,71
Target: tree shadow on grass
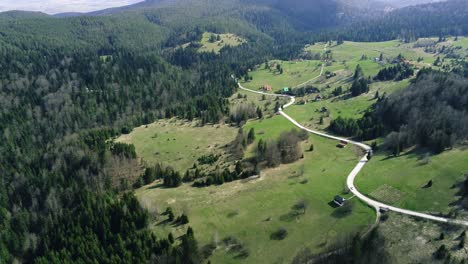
x,y
462,193
343,211
332,204
163,222
289,217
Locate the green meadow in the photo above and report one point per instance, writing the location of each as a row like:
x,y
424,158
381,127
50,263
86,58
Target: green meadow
x,y
251,210
294,73
179,143
225,40
409,173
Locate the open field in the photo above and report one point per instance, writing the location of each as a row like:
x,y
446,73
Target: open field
x,y
225,40
294,73
252,210
178,143
349,54
410,172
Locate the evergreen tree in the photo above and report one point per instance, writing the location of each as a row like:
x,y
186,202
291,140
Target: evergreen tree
x,y
358,73
251,136
259,113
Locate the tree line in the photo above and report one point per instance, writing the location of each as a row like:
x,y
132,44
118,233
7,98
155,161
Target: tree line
x,y
431,112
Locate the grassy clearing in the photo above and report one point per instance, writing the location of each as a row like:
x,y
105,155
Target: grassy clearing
x,y
178,143
294,73
224,40
352,54
309,114
252,210
266,103
410,172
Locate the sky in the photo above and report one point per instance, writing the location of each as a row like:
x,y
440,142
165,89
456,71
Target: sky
x,y
61,6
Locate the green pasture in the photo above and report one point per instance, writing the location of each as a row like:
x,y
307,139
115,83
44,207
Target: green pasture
x,y
225,40
409,174
179,143
252,210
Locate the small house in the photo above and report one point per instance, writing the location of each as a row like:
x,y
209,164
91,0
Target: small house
x,y
342,144
285,90
318,98
267,88
339,200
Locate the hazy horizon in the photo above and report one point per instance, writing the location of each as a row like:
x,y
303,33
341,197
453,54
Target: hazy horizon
x,y
83,6
62,6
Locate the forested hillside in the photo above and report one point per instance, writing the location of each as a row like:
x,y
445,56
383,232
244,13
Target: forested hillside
x,y
432,113
50,157
410,23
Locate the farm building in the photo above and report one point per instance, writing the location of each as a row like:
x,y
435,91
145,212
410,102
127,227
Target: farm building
x,y
267,87
339,200
342,144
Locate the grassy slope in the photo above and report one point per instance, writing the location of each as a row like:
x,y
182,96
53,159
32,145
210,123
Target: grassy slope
x,y
240,208
404,173
295,73
226,40
354,107
177,143
267,105
409,174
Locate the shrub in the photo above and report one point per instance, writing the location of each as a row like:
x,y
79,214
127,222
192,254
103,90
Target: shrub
x,y
441,253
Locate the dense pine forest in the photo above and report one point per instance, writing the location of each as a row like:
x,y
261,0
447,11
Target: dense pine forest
x,y
69,84
50,168
411,23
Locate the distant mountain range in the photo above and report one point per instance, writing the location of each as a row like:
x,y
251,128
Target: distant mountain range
x,y
168,22
304,14
404,3
290,5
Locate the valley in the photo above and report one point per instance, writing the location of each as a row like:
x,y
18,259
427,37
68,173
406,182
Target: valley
x,y
234,131
259,205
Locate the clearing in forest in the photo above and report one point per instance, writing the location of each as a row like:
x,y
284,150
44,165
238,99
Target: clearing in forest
x,y
212,42
179,143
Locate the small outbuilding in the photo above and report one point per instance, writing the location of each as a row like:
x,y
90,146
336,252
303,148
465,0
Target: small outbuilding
x,y
342,144
339,200
267,88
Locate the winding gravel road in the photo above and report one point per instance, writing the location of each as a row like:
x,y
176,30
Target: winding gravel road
x,y
352,176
